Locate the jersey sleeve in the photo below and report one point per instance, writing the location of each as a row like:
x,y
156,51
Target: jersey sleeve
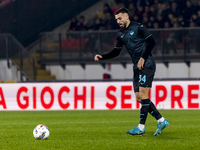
x,y
116,51
144,32
118,42
149,40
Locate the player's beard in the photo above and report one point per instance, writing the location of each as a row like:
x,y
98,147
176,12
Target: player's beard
x,y
123,25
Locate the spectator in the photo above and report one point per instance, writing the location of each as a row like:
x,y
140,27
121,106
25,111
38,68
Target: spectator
x,y
139,13
170,18
110,20
160,21
190,38
146,11
188,11
131,9
193,18
167,24
151,22
181,21
73,24
169,42
156,25
178,34
82,24
107,9
165,11
197,7
159,7
135,18
198,18
192,24
91,22
157,35
153,11
145,21
97,25
174,9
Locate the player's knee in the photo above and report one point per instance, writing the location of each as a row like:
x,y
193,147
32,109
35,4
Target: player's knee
x,y
144,92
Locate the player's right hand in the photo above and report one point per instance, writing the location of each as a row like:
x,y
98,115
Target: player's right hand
x,y
140,63
96,57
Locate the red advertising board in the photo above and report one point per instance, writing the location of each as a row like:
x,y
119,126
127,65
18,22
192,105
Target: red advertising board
x,y
96,95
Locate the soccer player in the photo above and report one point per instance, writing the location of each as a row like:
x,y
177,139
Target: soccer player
x,y
139,44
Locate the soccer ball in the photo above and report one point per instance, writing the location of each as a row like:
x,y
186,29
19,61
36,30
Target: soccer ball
x,y
41,132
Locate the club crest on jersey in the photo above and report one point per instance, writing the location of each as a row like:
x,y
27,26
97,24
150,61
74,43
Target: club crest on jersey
x,y
122,36
132,32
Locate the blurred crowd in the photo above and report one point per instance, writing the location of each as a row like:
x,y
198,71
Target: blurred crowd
x,y
151,13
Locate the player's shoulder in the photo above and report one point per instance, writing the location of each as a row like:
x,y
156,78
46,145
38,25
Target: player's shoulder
x,y
136,24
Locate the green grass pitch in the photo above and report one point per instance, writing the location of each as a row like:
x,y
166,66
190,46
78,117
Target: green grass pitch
x,y
98,130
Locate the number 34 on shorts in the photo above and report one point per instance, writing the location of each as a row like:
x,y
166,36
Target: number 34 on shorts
x,y
142,79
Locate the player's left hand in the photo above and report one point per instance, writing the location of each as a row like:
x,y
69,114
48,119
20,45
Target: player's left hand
x,y
141,63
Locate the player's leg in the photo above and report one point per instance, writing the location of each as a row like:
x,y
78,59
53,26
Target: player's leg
x,y
152,109
142,83
145,102
139,130
148,106
146,79
143,94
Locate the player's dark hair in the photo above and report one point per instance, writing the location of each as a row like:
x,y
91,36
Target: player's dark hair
x,y
122,10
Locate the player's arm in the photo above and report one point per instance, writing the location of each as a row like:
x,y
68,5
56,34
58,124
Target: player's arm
x,y
150,45
149,40
114,53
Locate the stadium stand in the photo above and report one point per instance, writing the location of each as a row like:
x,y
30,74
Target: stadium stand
x,y
174,24
27,64
26,19
152,13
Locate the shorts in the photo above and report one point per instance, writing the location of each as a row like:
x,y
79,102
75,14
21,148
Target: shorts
x,y
143,78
